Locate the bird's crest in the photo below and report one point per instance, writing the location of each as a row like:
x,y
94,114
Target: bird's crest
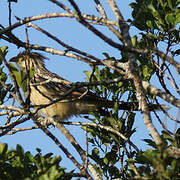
x,y
34,56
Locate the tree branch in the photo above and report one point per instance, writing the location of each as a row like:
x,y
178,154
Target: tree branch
x,y
132,70
107,128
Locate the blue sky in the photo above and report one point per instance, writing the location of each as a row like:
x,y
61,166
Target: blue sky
x,y
73,33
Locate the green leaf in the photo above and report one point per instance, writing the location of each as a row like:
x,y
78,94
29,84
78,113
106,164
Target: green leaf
x,y
170,4
131,118
56,159
134,40
162,4
3,149
48,155
174,164
4,51
146,72
88,74
154,12
21,82
31,73
130,160
3,95
106,55
145,157
177,138
170,18
150,142
19,165
177,19
20,150
16,73
95,152
167,136
105,160
150,24
3,75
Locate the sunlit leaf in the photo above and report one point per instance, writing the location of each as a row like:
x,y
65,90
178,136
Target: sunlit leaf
x,y
4,51
170,18
134,40
16,73
170,4
3,149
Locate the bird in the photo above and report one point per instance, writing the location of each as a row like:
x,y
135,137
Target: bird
x,y
48,88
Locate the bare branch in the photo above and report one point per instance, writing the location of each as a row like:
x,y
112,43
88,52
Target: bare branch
x,y
55,15
158,92
14,131
122,67
61,53
172,81
101,9
121,23
68,47
66,152
12,108
14,114
131,69
10,126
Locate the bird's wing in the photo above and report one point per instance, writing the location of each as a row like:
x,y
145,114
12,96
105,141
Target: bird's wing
x,y
56,86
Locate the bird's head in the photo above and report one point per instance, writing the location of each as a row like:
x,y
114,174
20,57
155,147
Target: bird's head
x,y
26,60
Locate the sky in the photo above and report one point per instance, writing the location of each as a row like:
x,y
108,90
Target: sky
x,y
70,32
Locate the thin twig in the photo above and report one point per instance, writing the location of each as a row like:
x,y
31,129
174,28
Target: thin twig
x,y
68,47
54,15
14,131
9,6
107,128
7,88
66,152
12,108
101,9
12,125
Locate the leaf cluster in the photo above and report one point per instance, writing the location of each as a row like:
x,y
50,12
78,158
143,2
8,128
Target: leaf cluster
x,y
155,162
17,164
160,20
153,15
3,77
106,144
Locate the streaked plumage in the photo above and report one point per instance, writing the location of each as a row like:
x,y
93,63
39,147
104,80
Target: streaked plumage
x,y
46,86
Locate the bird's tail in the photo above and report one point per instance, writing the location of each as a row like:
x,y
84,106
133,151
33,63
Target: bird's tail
x,y
132,106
